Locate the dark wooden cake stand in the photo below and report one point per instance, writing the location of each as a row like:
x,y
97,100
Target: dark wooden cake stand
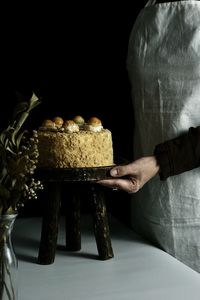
x,y
52,180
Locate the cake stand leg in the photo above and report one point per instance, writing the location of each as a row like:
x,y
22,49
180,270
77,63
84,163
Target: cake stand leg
x,y
100,221
50,224
73,219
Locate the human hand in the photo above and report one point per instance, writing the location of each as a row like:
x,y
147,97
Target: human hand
x,y
133,176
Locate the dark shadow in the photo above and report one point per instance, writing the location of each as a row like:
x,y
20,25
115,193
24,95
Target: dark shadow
x,y
80,254
22,244
27,258
26,242
62,251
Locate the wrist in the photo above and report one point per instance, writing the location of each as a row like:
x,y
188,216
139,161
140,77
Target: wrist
x,y
156,165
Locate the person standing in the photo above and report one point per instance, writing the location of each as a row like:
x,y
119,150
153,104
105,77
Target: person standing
x,y
164,68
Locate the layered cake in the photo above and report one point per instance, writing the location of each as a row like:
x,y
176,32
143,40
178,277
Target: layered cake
x,y
74,143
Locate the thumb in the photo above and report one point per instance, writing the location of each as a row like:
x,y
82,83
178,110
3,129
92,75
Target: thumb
x,y
119,171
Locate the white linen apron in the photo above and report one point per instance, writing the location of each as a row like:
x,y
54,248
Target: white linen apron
x,y
164,68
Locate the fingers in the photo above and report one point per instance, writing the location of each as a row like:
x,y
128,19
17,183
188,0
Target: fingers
x,y
111,183
123,179
128,185
120,171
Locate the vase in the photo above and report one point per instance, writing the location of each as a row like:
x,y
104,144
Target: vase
x,y
8,259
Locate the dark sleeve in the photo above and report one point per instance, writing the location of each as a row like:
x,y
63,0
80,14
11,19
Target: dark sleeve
x,y
180,154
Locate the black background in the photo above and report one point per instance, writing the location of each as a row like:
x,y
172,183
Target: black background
x,y
73,56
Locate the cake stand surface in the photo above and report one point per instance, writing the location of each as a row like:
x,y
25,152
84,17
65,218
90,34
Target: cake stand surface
x,y
74,174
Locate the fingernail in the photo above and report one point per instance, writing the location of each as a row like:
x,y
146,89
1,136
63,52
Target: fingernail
x,y
114,172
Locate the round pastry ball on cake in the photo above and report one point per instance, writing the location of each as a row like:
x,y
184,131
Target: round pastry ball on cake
x,y
94,121
94,124
79,120
58,121
48,125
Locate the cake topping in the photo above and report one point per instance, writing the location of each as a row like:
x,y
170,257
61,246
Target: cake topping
x,y
70,126
94,124
79,120
58,121
48,125
78,123
94,121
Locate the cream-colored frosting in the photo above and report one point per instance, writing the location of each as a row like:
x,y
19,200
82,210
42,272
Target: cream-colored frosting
x,y
96,128
71,128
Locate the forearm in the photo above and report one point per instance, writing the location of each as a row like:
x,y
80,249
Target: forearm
x,y
180,154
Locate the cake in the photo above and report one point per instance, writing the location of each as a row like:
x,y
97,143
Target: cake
x,y
74,143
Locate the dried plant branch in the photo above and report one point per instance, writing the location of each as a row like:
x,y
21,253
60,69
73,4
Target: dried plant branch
x,y
18,160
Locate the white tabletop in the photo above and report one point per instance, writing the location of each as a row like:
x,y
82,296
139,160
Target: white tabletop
x,y
138,271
